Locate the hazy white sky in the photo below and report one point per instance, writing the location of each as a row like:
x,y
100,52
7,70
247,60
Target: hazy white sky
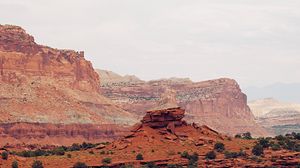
x,y
256,42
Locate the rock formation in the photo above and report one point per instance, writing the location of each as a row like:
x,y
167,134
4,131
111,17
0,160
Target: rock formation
x,y
58,134
218,103
46,85
153,140
169,118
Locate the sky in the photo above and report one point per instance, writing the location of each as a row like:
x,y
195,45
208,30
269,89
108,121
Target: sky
x,y
256,42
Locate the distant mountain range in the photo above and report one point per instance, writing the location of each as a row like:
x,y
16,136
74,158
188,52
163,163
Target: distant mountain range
x,y
277,116
280,91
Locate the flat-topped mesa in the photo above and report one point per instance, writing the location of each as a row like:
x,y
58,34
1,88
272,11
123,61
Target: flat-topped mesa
x,y
169,118
23,60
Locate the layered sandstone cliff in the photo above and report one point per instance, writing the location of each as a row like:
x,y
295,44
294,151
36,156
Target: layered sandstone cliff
x,y
46,85
218,103
58,134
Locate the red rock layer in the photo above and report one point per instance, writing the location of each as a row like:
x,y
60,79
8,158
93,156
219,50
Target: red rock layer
x,y
58,134
218,103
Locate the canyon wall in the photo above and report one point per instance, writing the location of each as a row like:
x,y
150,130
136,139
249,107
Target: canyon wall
x,y
218,103
58,134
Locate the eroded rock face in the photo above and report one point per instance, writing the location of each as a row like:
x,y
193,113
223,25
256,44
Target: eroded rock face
x,y
58,134
168,118
21,57
46,85
218,103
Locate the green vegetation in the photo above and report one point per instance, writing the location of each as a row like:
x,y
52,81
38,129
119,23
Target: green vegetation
x,y
275,147
229,154
289,142
184,154
80,165
150,165
219,147
37,164
210,155
106,160
4,155
264,142
59,151
193,159
258,150
14,164
139,157
246,135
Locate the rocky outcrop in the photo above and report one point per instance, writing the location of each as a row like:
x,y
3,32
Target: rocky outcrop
x,y
218,103
46,85
169,118
58,134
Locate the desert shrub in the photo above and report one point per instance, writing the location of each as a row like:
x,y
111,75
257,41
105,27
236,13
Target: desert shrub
x,y
242,153
247,135
14,164
275,147
38,152
229,154
220,147
258,150
297,148
264,142
296,136
91,152
150,165
37,164
69,155
210,155
109,152
4,155
139,157
280,138
194,157
290,145
85,145
238,136
80,165
257,159
184,154
102,152
106,160
75,147
58,151
193,160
